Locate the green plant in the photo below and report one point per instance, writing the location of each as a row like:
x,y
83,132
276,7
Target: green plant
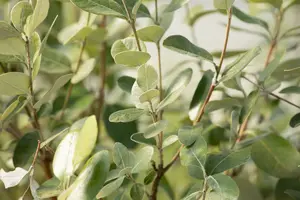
x,y
75,127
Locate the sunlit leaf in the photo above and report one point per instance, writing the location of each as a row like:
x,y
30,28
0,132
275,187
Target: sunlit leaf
x,y
149,95
275,3
169,141
147,77
175,5
90,180
84,70
223,4
122,157
12,178
14,108
139,138
73,33
151,33
19,14
132,58
39,14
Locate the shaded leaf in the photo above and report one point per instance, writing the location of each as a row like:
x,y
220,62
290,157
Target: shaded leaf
x,y
14,108
25,149
14,83
60,82
126,83
175,5
276,156
221,104
291,89
122,157
224,187
295,121
285,184
7,31
275,3
137,191
110,188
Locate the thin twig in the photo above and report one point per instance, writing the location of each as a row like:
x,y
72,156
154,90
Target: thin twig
x,y
131,21
102,76
212,87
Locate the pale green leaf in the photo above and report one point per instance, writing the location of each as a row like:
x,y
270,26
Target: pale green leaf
x,y
223,4
73,33
175,5
90,180
140,139
7,31
270,68
194,157
182,45
12,46
50,188
110,188
12,178
60,82
224,187
122,157
14,108
127,44
84,70
39,14
291,90
149,95
240,64
151,33
55,62
50,139
126,115
188,134
147,77
14,83
155,128
176,88
132,58
169,141
75,147
19,14
275,3
143,158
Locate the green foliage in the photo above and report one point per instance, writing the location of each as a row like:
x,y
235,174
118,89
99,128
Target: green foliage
x,y
93,108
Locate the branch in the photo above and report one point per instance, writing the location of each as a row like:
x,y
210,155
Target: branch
x,y
102,77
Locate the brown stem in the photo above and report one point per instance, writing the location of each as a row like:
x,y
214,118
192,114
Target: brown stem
x,y
211,89
102,76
